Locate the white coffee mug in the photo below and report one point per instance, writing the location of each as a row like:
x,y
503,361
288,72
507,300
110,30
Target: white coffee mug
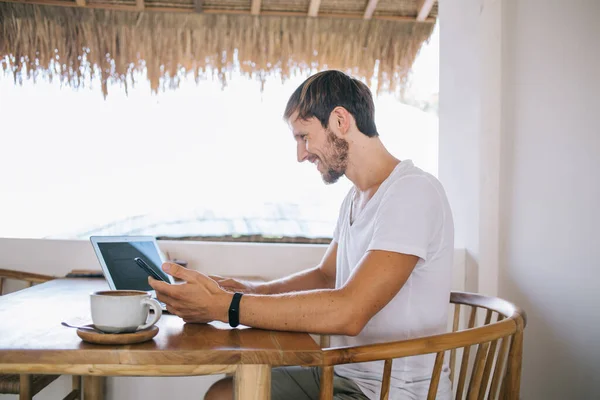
x,y
123,310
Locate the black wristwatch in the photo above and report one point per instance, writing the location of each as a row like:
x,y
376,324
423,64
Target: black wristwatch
x,y
234,310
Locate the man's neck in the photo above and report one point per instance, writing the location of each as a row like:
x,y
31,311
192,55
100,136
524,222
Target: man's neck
x,y
369,165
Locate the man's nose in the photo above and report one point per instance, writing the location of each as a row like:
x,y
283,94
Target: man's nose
x,y
302,153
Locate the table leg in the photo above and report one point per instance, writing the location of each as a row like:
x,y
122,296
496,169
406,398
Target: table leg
x,y
26,387
93,387
253,382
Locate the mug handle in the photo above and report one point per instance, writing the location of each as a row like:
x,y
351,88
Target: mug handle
x,y
157,313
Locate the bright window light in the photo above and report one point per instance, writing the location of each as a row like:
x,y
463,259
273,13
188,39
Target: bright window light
x,y
202,160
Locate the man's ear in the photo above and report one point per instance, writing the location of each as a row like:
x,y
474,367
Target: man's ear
x,y
340,120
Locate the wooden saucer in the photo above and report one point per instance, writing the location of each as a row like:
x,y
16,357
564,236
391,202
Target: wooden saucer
x,y
117,338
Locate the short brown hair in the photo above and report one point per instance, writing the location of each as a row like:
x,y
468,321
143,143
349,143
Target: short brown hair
x,y
321,93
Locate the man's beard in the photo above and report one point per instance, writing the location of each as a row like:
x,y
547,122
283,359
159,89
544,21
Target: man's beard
x,y
336,160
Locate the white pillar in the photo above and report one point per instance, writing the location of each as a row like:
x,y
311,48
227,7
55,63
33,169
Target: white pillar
x,y
470,153
490,148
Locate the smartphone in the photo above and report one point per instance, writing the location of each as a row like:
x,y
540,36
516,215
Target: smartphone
x,y
148,270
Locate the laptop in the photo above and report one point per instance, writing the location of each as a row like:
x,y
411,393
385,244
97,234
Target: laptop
x,y
117,254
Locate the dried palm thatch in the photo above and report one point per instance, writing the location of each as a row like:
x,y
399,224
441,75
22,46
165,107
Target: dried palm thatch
x,y
72,43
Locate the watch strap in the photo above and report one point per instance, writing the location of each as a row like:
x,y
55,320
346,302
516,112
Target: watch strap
x,y
234,310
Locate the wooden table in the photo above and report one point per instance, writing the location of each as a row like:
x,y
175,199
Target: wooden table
x,y
33,341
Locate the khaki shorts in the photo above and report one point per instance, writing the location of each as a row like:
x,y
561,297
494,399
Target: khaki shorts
x,y
303,383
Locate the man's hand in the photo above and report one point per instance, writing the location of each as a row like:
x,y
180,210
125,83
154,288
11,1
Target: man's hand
x,y
198,299
234,285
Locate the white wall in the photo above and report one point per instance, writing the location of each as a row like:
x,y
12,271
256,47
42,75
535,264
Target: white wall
x,y
58,257
534,94
552,192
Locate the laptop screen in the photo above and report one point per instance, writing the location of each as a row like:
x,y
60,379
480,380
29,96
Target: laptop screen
x,y
126,274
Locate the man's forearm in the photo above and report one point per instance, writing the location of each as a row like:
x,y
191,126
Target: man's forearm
x,y
309,279
327,311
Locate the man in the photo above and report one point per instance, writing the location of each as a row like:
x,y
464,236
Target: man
x,y
385,276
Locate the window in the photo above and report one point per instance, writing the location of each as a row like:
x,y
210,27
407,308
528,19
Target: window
x,y
198,161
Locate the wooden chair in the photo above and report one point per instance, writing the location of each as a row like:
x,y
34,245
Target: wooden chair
x,y
492,373
27,386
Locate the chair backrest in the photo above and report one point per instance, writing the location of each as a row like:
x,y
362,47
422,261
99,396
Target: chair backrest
x,y
494,372
29,278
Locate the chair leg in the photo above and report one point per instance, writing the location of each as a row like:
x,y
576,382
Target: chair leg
x,y
326,391
26,387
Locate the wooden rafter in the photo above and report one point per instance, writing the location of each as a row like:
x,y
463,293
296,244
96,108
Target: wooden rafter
x,y
255,9
191,9
370,9
80,3
313,8
139,5
425,7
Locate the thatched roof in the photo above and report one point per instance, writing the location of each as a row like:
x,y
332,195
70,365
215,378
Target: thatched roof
x,y
166,39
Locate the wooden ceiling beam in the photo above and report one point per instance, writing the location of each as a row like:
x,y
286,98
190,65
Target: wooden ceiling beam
x,y
80,3
191,9
424,8
255,8
313,8
139,4
370,9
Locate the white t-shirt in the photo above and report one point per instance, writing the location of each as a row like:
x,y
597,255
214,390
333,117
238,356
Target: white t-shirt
x,y
408,214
